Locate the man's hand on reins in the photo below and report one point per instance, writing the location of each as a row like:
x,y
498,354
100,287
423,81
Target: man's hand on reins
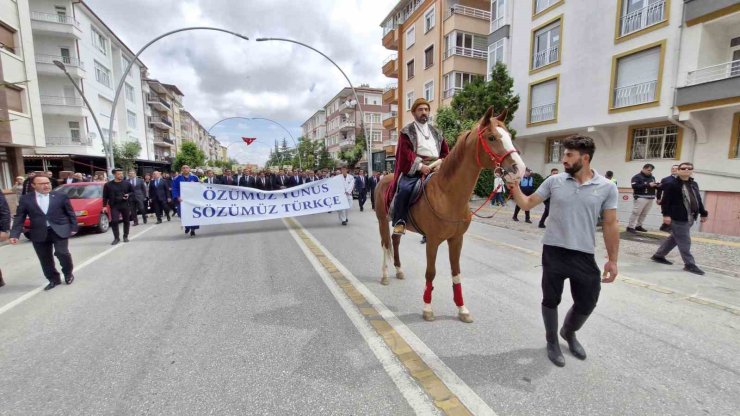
x,y
424,169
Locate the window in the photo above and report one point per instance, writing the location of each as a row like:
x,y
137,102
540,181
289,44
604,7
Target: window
x,y
377,136
106,106
125,63
636,77
74,131
429,91
456,81
498,11
131,119
465,44
735,138
130,93
429,20
409,100
372,118
410,37
654,142
410,69
428,57
7,38
6,178
555,150
14,96
372,99
541,6
543,101
102,74
100,42
495,55
636,15
546,45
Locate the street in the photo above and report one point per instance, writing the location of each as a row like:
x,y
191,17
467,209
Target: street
x,y
289,317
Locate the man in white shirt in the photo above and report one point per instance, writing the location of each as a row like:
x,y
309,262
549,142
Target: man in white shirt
x,y
349,185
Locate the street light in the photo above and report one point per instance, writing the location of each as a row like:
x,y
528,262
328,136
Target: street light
x,y
300,162
368,139
109,161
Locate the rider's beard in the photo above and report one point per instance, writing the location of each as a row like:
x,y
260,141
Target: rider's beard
x,y
422,119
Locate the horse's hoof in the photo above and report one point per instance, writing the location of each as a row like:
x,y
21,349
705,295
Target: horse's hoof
x,y
465,317
384,281
428,316
400,275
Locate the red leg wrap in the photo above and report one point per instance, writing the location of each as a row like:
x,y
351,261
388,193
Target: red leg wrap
x,y
457,294
428,293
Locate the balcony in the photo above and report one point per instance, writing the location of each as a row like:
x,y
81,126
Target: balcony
x,y
163,123
55,25
468,11
63,106
347,125
347,143
450,92
466,52
162,158
546,57
468,19
701,11
716,83
390,120
542,113
642,18
390,94
390,39
390,66
45,66
635,94
157,103
68,141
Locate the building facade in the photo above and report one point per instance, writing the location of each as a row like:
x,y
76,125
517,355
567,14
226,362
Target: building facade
x,y
653,81
160,125
21,122
314,128
70,33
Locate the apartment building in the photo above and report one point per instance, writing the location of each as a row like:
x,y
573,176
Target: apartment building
x,y
314,128
440,46
72,34
344,121
21,123
652,81
160,125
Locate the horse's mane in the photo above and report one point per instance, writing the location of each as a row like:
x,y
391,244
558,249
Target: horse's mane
x,y
455,158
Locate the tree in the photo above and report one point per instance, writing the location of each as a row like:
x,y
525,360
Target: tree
x,y
469,105
126,154
354,155
189,155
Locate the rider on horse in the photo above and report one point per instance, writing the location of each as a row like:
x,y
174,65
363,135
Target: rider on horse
x,y
419,145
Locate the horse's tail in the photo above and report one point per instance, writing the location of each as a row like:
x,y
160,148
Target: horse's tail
x,y
381,212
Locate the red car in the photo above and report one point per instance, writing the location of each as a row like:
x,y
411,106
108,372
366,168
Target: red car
x,y
87,201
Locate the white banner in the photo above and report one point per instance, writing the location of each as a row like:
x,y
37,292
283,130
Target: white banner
x,y
204,204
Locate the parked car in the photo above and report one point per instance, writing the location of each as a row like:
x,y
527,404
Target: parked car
x,y
87,201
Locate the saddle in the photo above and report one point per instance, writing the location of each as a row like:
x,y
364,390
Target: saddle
x,y
415,193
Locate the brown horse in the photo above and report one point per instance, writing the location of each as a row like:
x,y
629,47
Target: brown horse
x,y
443,212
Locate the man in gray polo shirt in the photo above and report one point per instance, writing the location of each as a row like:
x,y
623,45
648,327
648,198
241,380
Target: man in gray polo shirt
x,y
577,198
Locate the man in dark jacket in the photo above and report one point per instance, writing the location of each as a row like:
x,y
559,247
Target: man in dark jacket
x,y
117,194
361,188
527,187
643,186
161,196
4,226
138,198
53,221
681,206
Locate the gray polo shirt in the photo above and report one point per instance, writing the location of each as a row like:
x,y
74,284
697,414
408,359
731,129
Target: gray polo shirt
x,y
575,209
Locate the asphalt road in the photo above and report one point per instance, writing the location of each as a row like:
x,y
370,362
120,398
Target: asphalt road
x,y
242,320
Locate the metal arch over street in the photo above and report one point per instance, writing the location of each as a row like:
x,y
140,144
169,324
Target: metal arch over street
x,y
136,57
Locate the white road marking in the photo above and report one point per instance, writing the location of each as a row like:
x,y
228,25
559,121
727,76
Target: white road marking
x,y
86,263
467,396
414,395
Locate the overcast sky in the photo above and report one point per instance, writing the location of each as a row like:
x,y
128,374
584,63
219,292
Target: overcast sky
x,y
224,76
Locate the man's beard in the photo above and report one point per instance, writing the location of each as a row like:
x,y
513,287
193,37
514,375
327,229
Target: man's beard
x,y
573,169
421,119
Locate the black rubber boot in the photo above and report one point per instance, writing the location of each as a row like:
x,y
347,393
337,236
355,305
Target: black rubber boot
x,y
550,318
573,322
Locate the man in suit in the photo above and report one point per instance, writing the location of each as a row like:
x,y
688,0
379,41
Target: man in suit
x,y
227,178
263,182
210,178
54,182
281,180
71,179
161,197
137,202
53,221
361,187
27,188
295,180
373,183
117,194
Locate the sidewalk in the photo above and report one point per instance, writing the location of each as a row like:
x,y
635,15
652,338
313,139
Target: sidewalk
x,y
718,253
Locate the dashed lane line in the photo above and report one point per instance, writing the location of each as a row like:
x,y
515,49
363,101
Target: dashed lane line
x,y
447,391
630,280
34,292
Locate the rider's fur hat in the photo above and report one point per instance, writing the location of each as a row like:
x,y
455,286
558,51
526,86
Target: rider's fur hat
x,y
418,102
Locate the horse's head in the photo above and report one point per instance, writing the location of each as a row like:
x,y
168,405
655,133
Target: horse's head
x,y
496,141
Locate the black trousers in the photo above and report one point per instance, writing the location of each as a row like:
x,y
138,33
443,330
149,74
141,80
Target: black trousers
x,y
546,213
125,213
362,198
372,198
54,246
404,188
559,264
516,213
159,207
137,207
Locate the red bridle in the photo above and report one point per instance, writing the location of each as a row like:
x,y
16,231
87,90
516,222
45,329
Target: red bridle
x,y
495,157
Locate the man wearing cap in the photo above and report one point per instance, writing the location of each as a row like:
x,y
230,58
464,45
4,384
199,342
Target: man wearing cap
x,y
419,144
